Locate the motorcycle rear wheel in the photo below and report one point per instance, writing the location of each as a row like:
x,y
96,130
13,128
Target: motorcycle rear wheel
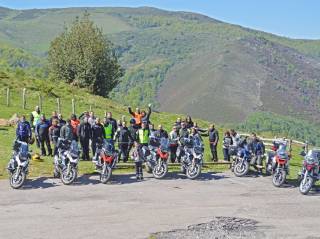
x,y
305,186
160,171
106,173
66,178
279,177
17,183
241,169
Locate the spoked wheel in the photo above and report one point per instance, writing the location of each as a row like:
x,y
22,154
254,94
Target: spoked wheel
x,y
241,168
17,178
68,176
160,170
306,185
105,173
193,171
279,177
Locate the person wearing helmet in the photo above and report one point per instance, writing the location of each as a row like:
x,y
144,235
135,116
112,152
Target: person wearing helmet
x,y
42,130
23,131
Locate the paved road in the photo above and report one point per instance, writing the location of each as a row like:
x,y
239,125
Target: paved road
x,y
45,208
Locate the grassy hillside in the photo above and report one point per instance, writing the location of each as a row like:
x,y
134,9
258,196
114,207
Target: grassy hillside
x,y
83,102
188,62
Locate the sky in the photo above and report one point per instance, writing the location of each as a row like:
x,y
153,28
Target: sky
x,y
291,18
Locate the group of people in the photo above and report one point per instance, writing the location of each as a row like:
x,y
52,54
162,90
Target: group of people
x,y
88,129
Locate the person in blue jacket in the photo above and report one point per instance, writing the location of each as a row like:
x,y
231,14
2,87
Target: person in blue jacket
x,y
42,131
23,131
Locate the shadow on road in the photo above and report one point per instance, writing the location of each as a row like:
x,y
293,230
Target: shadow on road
x,y
39,183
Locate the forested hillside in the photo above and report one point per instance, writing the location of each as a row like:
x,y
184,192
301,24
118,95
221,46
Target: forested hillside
x,y
189,63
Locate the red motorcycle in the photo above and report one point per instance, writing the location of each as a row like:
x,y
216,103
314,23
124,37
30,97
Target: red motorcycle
x,y
106,160
160,169
280,166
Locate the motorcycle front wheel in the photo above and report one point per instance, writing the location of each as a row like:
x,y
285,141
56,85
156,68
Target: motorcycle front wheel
x,y
241,168
193,171
279,177
17,179
306,185
105,174
159,171
68,176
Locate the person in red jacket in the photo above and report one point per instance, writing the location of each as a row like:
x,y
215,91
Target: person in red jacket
x,y
75,124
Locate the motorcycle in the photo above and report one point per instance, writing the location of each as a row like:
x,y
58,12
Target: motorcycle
x,y
150,154
107,159
66,162
310,170
280,166
192,157
160,169
19,164
241,164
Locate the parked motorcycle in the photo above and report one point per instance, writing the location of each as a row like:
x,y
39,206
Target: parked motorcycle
x,y
66,162
19,163
107,159
310,170
241,164
192,157
160,169
280,166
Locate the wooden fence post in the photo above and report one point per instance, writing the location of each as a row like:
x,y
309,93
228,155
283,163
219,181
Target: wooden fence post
x,y
40,102
73,106
24,102
58,106
90,108
8,96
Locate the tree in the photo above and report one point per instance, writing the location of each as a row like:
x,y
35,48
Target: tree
x,y
83,57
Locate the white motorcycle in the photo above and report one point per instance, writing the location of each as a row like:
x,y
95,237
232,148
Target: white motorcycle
x,y
66,162
19,164
192,157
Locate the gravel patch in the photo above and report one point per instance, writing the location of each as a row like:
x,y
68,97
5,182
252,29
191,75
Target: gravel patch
x,y
218,228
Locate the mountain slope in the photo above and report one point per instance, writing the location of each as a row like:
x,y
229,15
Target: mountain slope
x,y
188,62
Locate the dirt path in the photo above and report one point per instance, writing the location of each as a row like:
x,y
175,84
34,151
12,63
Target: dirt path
x,y
128,209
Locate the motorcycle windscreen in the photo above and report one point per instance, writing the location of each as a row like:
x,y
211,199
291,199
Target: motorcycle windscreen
x,y
24,150
164,144
74,148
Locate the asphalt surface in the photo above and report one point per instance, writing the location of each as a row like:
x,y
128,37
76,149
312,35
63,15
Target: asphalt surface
x,y
214,206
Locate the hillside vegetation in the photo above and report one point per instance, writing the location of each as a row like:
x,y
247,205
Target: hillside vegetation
x,y
189,63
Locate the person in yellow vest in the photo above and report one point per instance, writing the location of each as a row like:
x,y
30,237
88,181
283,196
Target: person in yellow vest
x,y
143,135
109,131
35,116
34,120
